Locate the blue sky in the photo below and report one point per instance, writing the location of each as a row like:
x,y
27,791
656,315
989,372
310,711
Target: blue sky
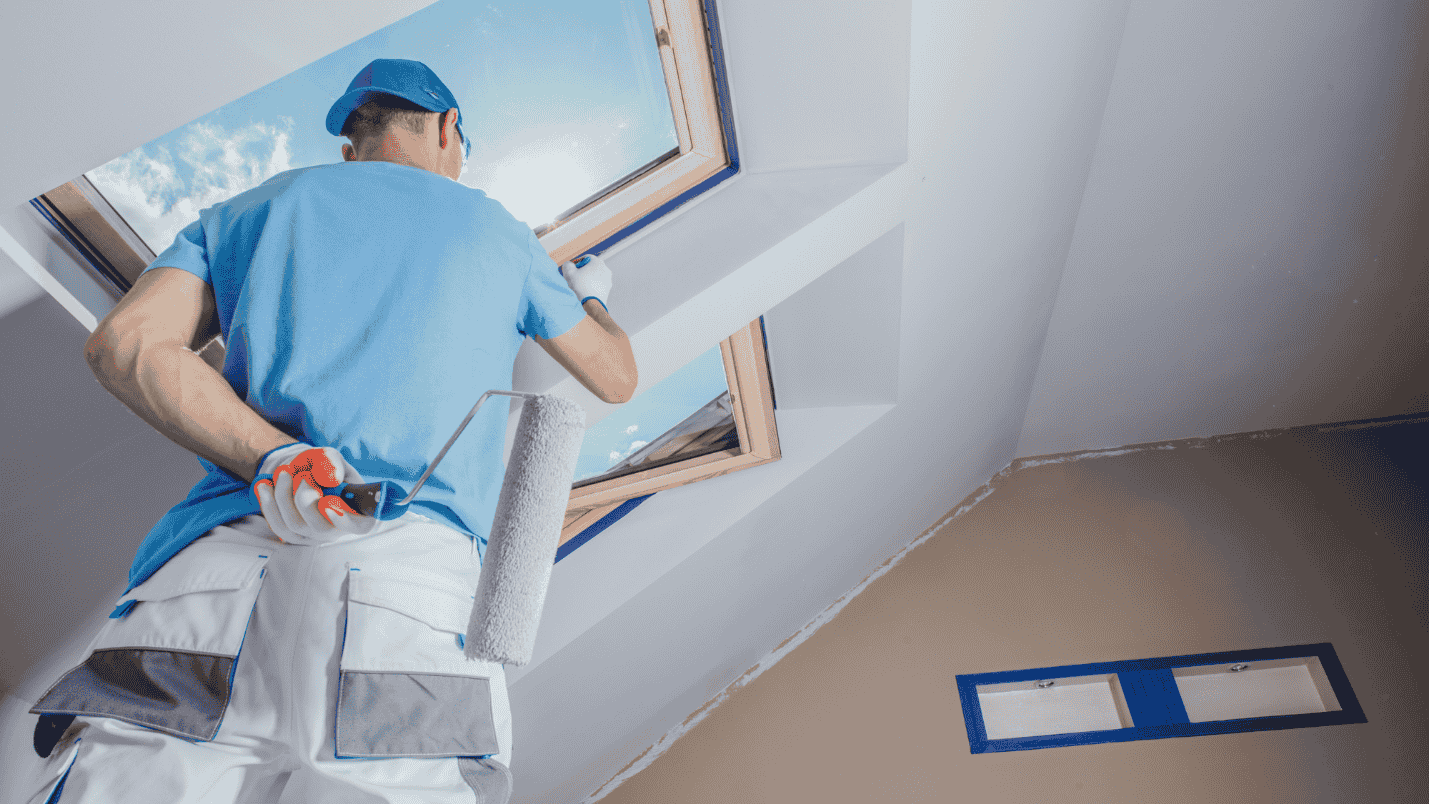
x,y
559,97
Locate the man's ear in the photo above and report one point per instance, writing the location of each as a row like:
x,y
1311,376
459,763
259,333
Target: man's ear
x,y
349,154
448,125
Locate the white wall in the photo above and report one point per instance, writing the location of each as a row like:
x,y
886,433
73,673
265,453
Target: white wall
x,y
1250,252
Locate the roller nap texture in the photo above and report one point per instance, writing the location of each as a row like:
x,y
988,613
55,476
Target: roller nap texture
x,y
525,531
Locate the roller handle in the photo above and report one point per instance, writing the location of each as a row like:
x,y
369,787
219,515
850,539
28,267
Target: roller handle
x,y
381,500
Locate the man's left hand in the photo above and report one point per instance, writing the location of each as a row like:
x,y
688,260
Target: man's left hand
x,y
290,491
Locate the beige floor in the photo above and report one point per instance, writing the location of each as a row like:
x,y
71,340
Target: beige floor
x,y
1302,537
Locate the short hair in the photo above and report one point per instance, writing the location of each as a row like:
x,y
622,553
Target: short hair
x,y
376,116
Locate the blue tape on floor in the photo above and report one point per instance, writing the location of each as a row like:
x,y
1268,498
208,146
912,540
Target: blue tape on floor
x,y
1154,700
1152,697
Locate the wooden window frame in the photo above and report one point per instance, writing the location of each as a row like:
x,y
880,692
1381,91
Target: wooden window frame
x,y
685,54
746,368
97,231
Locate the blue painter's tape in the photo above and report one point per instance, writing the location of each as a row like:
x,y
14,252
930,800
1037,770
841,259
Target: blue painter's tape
x,y
600,525
764,333
1154,700
122,609
972,714
96,260
1152,697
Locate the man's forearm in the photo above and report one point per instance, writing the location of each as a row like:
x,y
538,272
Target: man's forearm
x,y
184,398
597,311
623,363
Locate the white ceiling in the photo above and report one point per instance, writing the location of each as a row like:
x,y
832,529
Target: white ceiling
x,y
980,230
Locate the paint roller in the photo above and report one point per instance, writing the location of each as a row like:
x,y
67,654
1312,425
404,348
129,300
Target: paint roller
x,y
521,549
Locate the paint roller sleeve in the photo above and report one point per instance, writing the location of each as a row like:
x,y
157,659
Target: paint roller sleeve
x,y
525,531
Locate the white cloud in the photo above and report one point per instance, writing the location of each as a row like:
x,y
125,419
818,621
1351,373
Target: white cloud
x,y
631,429
160,189
617,457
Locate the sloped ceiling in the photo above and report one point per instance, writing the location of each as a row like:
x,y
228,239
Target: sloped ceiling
x,y
1088,211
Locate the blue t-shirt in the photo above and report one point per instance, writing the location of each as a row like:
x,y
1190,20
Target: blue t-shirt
x,y
366,306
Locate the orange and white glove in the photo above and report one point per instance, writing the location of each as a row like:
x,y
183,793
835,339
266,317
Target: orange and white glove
x,y
290,488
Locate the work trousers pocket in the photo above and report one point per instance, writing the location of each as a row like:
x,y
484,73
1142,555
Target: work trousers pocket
x,y
166,657
406,688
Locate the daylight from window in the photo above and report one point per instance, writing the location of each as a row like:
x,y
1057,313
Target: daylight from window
x,y
644,418
561,98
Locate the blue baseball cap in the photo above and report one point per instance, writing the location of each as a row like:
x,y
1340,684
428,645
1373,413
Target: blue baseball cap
x,y
406,79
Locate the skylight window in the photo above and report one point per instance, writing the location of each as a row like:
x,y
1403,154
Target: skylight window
x,y
561,98
732,430
589,119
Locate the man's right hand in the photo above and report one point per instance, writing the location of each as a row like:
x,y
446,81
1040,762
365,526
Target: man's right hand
x,y
589,280
289,488
596,350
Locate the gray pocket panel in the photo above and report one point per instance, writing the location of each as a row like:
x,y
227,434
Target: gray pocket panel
x,y
181,693
414,715
489,779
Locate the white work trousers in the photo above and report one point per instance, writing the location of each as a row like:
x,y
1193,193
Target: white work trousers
x,y
347,682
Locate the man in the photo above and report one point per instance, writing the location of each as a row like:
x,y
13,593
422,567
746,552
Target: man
x,y
274,643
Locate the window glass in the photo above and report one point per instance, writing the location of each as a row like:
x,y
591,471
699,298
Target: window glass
x,y
561,99
624,441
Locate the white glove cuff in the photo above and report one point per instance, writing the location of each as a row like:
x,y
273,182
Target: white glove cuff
x,y
590,281
278,457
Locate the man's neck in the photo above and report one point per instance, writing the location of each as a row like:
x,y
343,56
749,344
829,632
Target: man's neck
x,y
401,149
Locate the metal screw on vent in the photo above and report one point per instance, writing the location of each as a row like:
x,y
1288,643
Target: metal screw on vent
x,y
1236,668
1042,685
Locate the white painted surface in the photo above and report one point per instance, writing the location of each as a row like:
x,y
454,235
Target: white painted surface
x,y
18,287
1249,253
1084,703
861,49
593,582
1266,689
20,258
837,339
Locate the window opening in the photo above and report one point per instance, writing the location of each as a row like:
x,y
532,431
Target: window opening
x,y
563,99
735,430
687,408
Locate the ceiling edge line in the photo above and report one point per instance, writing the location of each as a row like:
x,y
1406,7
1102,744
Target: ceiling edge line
x,y
46,280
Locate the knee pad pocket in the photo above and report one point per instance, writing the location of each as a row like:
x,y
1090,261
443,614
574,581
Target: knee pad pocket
x,y
166,657
406,688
